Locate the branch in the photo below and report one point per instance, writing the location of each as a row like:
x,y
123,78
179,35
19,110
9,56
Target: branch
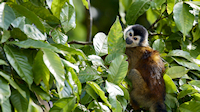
x,y
159,34
151,27
80,43
89,23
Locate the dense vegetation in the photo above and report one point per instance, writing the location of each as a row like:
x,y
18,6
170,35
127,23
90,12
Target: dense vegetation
x,y
41,70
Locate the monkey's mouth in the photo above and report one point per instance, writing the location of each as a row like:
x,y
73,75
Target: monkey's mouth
x,y
128,40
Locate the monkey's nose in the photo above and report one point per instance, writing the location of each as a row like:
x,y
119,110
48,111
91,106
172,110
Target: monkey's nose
x,y
128,40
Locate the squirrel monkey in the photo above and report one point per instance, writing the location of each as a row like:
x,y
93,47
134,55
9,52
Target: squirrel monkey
x,y
145,71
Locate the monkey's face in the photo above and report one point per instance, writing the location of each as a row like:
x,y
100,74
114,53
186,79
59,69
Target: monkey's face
x,y
136,35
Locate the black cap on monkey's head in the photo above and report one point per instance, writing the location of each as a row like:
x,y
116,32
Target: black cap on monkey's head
x,y
136,35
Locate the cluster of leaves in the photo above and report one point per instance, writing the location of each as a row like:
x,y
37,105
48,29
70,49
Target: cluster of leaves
x,y
38,66
174,31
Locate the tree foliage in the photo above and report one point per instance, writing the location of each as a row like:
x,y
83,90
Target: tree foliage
x,y
39,66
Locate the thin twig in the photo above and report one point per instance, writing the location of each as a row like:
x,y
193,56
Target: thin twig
x,y
80,43
159,34
151,27
89,23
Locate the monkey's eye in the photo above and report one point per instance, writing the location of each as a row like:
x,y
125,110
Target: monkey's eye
x,y
130,34
135,38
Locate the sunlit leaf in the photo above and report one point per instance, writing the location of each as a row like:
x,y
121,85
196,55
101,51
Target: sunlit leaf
x,y
113,89
118,69
176,71
4,90
137,8
7,16
2,62
88,74
56,7
190,106
54,64
195,84
34,107
186,90
20,63
59,37
182,17
6,106
67,16
181,53
85,3
99,91
195,34
28,14
40,71
115,39
170,5
5,36
100,44
169,84
64,105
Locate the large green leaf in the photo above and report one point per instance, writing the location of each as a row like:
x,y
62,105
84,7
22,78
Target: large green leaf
x,y
64,105
13,84
88,74
137,8
170,5
169,84
116,42
20,63
190,106
118,70
28,14
59,37
30,43
99,91
182,17
54,64
6,106
56,7
176,71
40,71
7,16
100,44
67,16
5,36
186,90
42,12
4,90
19,102
159,45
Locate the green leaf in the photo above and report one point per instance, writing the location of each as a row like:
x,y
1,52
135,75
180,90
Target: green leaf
x,y
169,84
190,106
186,90
5,36
54,64
116,42
181,53
196,96
33,107
195,34
20,63
177,71
113,89
2,62
64,105
59,37
182,17
137,8
85,3
4,90
158,3
88,74
40,71
6,106
99,91
110,57
42,12
7,16
30,43
28,14
159,45
40,92
13,84
68,64
187,64
170,5
100,44
118,70
171,101
96,60
56,7
19,102
67,16
195,84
